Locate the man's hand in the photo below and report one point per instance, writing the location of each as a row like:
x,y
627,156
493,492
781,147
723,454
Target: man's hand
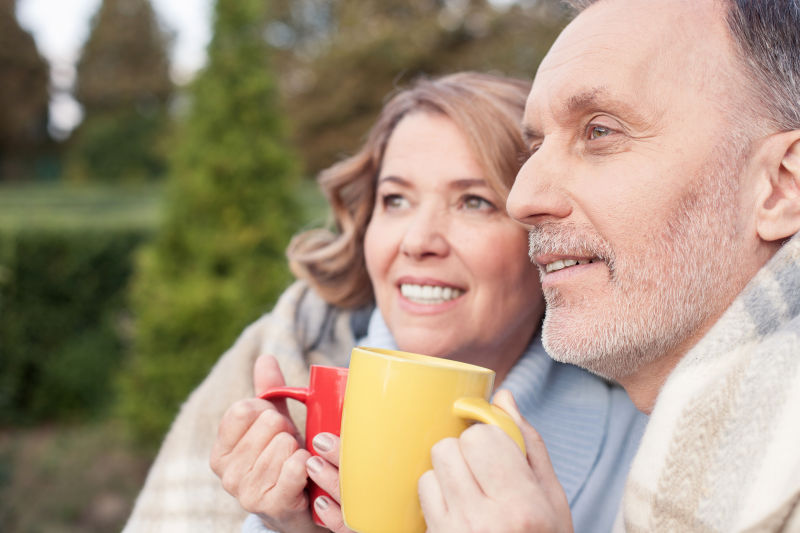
x,y
480,482
258,457
324,471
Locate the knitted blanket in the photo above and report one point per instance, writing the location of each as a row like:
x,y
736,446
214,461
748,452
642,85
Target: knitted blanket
x,y
721,452
181,493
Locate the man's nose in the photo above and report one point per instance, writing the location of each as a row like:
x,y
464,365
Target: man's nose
x,y
426,235
537,194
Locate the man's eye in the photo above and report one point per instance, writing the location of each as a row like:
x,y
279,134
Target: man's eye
x,y
595,132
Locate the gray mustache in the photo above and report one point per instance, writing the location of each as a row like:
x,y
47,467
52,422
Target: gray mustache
x,y
567,239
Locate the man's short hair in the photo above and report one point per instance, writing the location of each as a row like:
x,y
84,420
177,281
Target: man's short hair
x,y
767,34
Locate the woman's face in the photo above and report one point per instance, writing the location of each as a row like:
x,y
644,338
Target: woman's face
x,y
450,269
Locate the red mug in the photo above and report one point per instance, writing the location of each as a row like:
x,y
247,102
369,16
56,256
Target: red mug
x,y
324,398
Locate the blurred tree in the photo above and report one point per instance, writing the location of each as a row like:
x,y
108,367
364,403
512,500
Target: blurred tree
x,y
340,58
24,96
124,87
218,261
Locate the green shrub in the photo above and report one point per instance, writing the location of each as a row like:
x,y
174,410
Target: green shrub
x,y
61,313
125,146
218,259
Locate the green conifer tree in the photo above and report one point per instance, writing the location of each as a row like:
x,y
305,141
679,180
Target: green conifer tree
x,y
218,261
24,96
124,86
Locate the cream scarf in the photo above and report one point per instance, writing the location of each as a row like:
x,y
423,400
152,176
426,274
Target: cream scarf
x,y
721,452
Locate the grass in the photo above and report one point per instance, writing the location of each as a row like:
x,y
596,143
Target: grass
x,y
31,206
65,206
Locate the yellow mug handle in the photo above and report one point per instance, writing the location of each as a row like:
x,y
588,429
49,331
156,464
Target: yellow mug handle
x,y
482,411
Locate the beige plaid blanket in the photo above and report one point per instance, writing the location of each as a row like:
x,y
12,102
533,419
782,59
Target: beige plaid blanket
x,y
181,493
721,452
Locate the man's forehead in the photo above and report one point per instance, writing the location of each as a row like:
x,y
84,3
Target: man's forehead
x,y
618,50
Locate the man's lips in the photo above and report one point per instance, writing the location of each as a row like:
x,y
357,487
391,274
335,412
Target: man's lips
x,y
553,263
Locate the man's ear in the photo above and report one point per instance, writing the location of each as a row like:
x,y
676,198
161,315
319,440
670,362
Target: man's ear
x,y
778,207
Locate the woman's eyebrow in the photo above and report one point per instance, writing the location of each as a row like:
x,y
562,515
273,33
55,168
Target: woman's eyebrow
x,y
466,183
393,179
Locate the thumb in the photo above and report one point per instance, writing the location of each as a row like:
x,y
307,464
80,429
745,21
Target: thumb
x,y
538,458
266,374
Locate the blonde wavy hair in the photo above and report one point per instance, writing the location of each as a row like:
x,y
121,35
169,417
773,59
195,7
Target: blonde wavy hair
x,y
488,111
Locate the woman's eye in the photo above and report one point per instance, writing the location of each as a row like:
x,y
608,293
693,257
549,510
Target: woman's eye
x,y
595,132
473,202
393,201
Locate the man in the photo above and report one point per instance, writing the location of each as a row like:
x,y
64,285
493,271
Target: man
x,y
662,194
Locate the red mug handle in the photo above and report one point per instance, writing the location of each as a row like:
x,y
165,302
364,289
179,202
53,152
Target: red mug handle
x,y
295,393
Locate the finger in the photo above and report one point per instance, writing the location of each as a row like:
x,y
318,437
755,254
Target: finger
x,y
257,443
293,478
271,486
325,475
455,478
327,446
235,424
431,499
266,469
331,514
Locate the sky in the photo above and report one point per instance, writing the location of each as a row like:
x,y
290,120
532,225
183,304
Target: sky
x,y
60,27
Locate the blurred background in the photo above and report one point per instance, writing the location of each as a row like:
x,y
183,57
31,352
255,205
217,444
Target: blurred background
x,y
155,158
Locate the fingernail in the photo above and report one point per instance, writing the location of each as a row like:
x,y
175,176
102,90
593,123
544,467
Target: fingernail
x,y
322,442
314,464
321,503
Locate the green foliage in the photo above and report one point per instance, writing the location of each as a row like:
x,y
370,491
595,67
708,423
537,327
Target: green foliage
x,y
218,260
123,146
61,309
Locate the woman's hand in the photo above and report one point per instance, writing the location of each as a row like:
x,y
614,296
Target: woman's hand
x,y
324,471
480,482
258,457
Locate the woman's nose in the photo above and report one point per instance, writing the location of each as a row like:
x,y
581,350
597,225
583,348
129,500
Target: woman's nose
x,y
426,235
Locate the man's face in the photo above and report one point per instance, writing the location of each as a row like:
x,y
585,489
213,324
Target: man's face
x,y
632,192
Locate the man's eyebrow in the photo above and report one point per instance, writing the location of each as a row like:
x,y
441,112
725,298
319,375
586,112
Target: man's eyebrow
x,y
600,99
592,99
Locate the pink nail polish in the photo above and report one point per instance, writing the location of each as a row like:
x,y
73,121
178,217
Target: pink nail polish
x,y
314,464
321,503
322,442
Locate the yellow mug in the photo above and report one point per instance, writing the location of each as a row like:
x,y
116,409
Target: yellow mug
x,y
397,405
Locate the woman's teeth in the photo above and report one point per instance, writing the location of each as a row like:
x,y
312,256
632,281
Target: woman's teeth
x,y
429,294
564,263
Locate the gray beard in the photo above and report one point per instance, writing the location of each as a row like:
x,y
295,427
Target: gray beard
x,y
662,292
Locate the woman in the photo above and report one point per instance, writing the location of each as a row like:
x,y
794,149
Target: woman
x,y
421,232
